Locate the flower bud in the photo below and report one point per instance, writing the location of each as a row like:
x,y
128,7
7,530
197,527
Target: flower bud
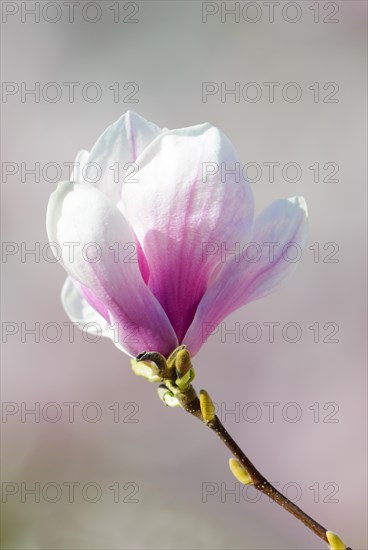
x,y
207,406
153,356
334,541
182,362
240,472
148,370
167,396
172,357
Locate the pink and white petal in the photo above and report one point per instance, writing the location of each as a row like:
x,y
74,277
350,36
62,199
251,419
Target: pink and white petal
x,y
79,311
121,143
184,212
243,280
93,301
81,214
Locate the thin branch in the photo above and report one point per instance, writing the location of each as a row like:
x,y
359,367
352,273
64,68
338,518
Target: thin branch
x,y
259,481
176,373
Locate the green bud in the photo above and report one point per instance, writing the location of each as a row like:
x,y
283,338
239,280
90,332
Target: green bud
x,y
184,382
171,359
207,406
240,472
182,362
167,396
153,356
149,371
334,541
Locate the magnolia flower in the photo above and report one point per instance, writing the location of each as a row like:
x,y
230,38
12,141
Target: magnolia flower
x,y
200,254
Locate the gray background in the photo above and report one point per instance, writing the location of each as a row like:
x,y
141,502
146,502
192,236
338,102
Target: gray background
x,y
169,53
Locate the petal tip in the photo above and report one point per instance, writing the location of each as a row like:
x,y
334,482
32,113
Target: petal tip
x,y
55,200
300,202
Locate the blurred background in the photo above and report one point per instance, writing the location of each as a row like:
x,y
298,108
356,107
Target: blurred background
x,y
101,463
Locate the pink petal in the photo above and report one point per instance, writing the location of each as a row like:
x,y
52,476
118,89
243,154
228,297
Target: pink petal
x,y
79,213
241,280
87,318
175,213
80,311
93,301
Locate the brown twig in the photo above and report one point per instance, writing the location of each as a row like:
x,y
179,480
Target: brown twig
x,y
259,481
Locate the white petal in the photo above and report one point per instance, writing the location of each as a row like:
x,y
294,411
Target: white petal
x,y
80,161
117,148
79,213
